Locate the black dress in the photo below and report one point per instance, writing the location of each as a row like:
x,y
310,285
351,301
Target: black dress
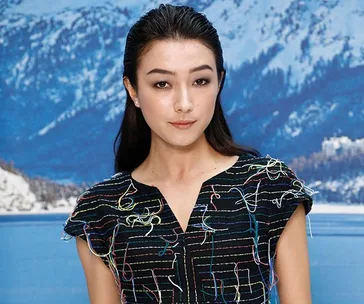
x,y
226,254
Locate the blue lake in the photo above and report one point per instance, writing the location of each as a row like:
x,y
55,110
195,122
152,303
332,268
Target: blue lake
x,y
38,267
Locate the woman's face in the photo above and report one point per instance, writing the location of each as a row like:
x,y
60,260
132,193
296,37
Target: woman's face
x,y
177,81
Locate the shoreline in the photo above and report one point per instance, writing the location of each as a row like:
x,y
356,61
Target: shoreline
x,y
337,209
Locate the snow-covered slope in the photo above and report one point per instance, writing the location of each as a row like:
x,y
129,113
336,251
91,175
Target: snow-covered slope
x,y
309,32
16,195
15,192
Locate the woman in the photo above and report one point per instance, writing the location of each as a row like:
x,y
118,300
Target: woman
x,y
189,216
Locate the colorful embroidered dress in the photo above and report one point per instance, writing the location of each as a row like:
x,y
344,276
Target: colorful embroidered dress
x,y
227,253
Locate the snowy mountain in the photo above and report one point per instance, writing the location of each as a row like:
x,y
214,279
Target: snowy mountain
x,y
19,193
336,171
294,78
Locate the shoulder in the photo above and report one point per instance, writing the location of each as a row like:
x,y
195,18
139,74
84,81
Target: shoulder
x,y
267,161
106,191
96,203
267,168
112,183
275,183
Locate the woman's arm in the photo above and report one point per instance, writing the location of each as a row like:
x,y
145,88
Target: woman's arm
x,y
292,261
101,285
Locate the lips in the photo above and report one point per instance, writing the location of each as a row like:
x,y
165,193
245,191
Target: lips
x,y
185,124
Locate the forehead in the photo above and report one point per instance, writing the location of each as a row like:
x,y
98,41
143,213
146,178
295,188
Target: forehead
x,y
176,55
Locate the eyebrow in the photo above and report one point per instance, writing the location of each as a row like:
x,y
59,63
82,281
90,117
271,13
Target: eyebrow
x,y
166,72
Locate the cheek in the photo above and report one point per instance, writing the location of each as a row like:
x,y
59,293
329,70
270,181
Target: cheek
x,y
154,107
205,102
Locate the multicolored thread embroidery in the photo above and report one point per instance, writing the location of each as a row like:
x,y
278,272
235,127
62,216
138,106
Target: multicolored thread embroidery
x,y
228,251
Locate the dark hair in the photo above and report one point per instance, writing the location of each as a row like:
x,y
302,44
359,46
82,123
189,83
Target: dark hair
x,y
163,23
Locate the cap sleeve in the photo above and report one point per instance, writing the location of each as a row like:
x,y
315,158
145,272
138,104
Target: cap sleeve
x,y
86,222
286,193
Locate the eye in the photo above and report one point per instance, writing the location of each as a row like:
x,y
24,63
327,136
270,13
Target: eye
x,y
202,82
161,85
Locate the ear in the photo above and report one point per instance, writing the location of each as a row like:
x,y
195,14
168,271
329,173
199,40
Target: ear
x,y
132,92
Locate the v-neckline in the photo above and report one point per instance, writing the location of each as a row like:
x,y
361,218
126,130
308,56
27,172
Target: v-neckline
x,y
206,182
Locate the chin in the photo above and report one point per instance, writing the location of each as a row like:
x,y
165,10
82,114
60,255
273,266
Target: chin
x,y
183,141
179,139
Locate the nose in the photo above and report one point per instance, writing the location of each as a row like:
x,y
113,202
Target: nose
x,y
183,101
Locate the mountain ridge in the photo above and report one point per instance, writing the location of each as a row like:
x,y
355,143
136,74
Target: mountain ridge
x,y
294,78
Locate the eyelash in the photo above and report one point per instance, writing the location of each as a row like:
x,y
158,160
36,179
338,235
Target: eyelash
x,y
206,82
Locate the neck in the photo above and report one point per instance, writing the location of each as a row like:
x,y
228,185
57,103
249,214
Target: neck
x,y
176,164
